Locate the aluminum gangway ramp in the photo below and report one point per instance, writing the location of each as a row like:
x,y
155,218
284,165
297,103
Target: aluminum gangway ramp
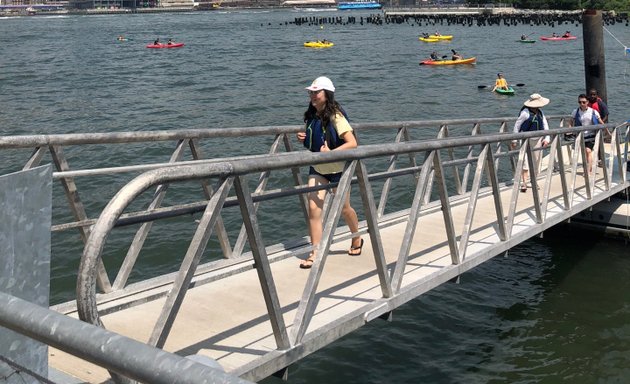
x,y
257,313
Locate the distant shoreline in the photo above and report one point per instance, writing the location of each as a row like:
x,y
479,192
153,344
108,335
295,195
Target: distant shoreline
x,y
388,12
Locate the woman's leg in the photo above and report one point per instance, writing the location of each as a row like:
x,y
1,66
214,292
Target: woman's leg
x,y
315,208
352,220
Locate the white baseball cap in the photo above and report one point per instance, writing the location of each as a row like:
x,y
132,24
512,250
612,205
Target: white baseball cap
x,y
320,83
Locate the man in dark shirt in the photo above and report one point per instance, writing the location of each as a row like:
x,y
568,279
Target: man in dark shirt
x,y
595,102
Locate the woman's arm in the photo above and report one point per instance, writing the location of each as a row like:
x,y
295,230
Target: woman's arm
x,y
344,131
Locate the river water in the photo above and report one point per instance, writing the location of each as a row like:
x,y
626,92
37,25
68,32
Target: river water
x,y
556,310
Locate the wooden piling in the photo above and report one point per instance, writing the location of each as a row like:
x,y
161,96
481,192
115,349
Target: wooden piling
x,y
594,60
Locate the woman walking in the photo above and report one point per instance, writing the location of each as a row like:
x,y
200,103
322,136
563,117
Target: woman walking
x,y
327,129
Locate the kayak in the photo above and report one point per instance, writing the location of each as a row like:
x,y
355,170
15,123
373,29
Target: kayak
x,y
501,91
428,39
173,45
441,37
526,41
470,60
318,44
551,38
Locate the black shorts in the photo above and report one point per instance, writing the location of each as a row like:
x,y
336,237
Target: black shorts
x,y
589,141
331,177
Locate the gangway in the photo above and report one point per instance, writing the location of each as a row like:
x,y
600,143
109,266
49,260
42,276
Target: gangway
x,y
254,311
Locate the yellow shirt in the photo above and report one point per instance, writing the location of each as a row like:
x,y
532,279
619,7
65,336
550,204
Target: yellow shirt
x,y
342,127
501,83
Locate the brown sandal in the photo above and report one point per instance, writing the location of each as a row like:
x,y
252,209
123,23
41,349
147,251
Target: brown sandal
x,y
308,263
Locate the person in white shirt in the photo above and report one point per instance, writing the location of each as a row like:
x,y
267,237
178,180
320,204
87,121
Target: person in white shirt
x,y
532,118
583,116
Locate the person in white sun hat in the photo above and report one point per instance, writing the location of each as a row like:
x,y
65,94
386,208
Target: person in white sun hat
x,y
532,118
326,129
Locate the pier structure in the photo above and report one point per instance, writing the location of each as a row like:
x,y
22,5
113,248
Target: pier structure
x,y
233,294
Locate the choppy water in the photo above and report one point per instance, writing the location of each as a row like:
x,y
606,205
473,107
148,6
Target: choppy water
x,y
557,310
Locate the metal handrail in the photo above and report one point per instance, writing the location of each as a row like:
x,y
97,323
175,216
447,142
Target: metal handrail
x,y
234,173
117,353
193,139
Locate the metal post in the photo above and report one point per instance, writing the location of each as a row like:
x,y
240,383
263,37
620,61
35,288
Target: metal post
x,y
594,61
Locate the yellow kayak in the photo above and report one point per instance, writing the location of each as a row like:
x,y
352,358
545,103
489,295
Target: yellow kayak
x,y
470,60
428,39
441,37
318,44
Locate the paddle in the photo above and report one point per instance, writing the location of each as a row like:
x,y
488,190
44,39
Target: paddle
x,y
492,86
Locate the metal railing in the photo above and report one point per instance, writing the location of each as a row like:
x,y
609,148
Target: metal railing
x,y
119,354
456,166
56,146
99,153
104,152
430,161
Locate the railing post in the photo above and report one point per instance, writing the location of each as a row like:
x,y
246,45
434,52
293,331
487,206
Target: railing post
x,y
263,268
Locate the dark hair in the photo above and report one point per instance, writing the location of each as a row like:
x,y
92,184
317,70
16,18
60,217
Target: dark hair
x,y
582,96
330,109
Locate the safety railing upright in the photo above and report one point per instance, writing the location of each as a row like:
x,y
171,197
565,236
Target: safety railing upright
x,y
90,167
430,161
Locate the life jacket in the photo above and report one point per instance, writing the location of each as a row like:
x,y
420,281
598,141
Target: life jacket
x,y
316,134
578,123
600,107
534,122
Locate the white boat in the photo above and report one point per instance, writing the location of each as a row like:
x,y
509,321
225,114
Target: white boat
x,y
360,4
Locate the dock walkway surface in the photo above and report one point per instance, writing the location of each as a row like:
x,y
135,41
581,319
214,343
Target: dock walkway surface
x,y
256,312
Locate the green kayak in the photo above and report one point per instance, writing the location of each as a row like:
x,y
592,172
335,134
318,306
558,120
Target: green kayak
x,y
526,41
509,91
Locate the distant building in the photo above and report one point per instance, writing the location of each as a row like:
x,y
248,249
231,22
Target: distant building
x,y
309,3
112,4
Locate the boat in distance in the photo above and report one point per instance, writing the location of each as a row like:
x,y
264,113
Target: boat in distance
x,y
441,37
360,4
501,91
557,38
318,44
165,45
470,60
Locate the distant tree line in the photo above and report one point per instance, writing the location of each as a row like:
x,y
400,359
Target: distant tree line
x,y
568,5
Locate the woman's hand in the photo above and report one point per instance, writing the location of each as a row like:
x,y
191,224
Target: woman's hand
x,y
301,136
324,148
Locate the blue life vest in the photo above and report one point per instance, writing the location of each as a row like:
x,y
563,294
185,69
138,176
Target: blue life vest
x,y
316,135
578,123
533,123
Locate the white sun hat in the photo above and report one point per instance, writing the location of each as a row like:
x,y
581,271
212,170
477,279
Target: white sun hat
x,y
320,83
536,101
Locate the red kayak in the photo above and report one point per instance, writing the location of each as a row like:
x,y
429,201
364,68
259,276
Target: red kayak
x,y
173,45
550,38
